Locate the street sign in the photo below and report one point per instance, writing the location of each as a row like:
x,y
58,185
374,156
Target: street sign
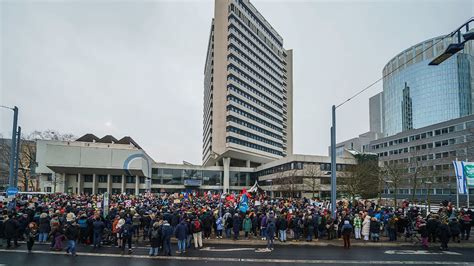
x,y
11,191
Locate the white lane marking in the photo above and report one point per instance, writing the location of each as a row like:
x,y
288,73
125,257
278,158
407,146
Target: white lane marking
x,y
225,249
359,262
262,250
420,252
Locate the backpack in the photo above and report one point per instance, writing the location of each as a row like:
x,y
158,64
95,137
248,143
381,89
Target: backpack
x,y
300,223
196,226
154,234
125,231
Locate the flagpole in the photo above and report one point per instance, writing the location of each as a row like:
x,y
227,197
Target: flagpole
x,y
457,188
467,190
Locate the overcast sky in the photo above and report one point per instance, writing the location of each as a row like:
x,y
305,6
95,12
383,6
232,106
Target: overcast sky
x,y
135,68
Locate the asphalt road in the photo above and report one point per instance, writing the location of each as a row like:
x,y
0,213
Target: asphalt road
x,y
242,255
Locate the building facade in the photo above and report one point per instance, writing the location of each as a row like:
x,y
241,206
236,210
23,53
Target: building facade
x,y
425,156
417,95
248,90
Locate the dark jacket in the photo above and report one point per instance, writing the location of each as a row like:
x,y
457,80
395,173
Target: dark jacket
x,y
181,231
236,223
44,225
155,237
443,232
271,228
375,227
98,226
166,231
282,223
11,228
71,232
454,227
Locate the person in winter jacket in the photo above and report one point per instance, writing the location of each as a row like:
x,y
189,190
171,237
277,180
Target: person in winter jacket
x,y
282,225
219,227
357,226
11,229
466,223
247,226
98,229
71,233
30,234
444,233
44,228
374,229
346,231
366,227
236,222
125,232
271,229
166,233
82,222
155,239
309,228
455,229
180,234
196,226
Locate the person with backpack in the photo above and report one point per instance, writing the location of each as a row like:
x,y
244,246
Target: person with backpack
x,y
166,233
346,231
155,239
30,234
196,226
180,234
126,235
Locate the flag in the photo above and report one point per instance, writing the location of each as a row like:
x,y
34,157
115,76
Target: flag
x,y
468,168
244,199
460,177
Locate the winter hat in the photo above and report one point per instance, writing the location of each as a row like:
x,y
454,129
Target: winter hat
x,y
70,217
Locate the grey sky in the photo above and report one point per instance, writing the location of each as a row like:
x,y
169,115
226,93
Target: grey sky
x,y
136,67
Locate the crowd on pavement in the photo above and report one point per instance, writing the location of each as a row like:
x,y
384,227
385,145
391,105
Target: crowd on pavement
x,y
65,221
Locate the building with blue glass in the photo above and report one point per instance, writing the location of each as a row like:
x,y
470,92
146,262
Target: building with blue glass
x,y
416,94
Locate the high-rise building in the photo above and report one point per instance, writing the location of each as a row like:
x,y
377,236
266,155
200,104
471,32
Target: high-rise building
x,y
248,89
417,95
376,113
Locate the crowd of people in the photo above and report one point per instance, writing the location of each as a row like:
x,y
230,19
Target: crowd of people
x,y
64,221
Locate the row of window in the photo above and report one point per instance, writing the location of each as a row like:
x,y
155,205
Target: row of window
x,y
246,52
424,191
255,118
252,30
253,146
254,90
253,99
253,136
256,74
327,167
249,62
237,33
420,147
115,179
254,127
253,108
423,135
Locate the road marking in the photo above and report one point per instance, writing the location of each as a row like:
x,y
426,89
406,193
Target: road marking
x,y
420,252
225,249
262,250
272,261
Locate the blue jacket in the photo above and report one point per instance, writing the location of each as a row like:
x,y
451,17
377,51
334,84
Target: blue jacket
x,y
181,231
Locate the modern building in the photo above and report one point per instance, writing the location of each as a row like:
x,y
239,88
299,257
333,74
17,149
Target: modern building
x,y
248,90
416,95
358,144
93,165
426,155
376,114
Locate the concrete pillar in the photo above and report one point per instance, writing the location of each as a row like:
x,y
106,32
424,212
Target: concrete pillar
x,y
123,184
109,184
80,184
94,184
137,184
226,162
247,163
64,183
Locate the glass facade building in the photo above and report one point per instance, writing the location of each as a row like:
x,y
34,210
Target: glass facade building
x,y
436,93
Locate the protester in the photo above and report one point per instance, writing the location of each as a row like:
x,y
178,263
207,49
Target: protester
x,y
346,234
155,239
30,234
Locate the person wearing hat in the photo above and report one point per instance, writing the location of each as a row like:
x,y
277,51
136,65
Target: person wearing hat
x,y
346,233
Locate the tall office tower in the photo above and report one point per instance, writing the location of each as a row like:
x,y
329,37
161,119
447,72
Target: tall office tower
x,y
248,90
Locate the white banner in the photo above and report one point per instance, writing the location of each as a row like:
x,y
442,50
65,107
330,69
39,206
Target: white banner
x,y
460,177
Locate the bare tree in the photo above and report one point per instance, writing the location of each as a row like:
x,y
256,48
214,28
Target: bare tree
x,y
393,174
312,178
